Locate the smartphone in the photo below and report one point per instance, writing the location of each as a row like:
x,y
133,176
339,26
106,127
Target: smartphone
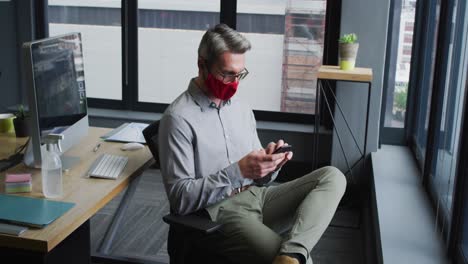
x,y
282,149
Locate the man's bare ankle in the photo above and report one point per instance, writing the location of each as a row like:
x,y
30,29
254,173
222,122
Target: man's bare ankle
x,y
284,259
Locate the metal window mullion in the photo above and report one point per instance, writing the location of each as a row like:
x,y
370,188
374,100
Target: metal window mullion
x,y
421,73
416,56
41,19
228,13
390,69
438,86
460,189
129,53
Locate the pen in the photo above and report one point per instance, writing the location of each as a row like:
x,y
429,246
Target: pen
x,y
96,147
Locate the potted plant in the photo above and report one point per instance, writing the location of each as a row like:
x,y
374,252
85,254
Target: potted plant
x,y
348,51
20,122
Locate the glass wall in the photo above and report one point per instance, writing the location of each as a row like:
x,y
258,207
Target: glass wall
x,y
464,236
397,93
284,75
425,77
168,37
284,78
439,82
100,25
450,124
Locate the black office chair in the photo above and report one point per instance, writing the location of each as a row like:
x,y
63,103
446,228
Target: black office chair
x,y
184,231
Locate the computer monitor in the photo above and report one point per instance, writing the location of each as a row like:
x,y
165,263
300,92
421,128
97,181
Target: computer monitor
x,y
55,81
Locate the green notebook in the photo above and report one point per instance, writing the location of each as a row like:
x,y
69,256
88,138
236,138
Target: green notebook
x,y
34,212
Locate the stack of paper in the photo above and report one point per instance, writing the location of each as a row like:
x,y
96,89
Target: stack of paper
x,y
15,183
127,132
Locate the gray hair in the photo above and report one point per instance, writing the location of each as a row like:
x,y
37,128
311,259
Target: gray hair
x,y
220,39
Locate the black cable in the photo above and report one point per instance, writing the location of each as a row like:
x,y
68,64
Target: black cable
x,y
14,159
21,148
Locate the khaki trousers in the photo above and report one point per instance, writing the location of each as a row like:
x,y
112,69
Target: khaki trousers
x,y
253,218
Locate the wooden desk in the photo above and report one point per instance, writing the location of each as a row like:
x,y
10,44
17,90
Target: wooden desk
x,y
88,194
8,143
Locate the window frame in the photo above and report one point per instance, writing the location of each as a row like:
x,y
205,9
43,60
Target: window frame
x,y
228,15
391,135
440,82
421,75
399,135
460,193
461,176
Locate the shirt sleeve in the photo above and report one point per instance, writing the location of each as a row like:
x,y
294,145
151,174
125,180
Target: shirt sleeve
x,y
187,193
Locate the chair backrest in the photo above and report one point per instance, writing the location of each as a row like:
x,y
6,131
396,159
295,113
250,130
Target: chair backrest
x,y
182,236
150,133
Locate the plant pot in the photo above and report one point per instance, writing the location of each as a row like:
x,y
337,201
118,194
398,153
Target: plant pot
x,y
6,123
21,127
348,54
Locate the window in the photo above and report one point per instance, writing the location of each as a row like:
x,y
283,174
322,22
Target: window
x,y
423,77
438,114
284,75
398,82
447,142
464,239
168,37
408,39
116,34
401,37
100,27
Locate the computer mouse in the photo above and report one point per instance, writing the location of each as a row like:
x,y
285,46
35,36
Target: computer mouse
x,y
132,146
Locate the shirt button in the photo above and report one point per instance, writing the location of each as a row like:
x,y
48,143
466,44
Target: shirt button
x,y
227,136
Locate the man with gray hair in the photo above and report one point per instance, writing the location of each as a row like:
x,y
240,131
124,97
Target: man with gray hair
x,y
212,160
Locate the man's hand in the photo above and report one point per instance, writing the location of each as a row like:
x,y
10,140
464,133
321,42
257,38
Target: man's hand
x,y
258,163
272,146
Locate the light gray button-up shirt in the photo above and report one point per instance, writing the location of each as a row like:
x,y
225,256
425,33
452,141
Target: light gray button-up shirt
x,y
200,146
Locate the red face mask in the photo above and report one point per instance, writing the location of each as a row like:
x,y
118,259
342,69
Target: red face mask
x,y
219,89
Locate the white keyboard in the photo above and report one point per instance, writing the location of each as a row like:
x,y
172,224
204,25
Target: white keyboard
x,y
108,166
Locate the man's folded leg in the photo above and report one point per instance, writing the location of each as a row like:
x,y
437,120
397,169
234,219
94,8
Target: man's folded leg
x,y
243,237
309,203
249,218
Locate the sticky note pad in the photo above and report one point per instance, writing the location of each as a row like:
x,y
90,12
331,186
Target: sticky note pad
x,y
15,183
18,187
14,178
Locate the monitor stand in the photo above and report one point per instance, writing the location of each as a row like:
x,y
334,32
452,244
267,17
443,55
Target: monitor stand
x,y
67,161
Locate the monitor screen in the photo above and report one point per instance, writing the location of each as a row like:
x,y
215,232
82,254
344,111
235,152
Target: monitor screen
x,y
55,80
59,82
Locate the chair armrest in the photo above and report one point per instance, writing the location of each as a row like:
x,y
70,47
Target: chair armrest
x,y
192,222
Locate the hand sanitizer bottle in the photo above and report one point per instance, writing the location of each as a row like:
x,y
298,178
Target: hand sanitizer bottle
x,y
52,185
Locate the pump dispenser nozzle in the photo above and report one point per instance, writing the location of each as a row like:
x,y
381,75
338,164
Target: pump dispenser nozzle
x,y
53,139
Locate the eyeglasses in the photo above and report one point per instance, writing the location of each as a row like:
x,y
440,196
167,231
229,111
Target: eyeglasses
x,y
229,78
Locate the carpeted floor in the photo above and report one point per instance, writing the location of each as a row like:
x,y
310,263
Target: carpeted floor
x,y
142,233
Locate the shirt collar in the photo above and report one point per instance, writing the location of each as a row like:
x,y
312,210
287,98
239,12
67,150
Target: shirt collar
x,y
201,99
